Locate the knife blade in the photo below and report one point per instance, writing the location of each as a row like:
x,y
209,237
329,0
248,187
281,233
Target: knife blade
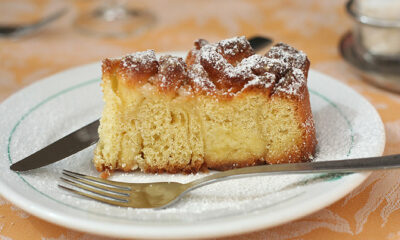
x,y
60,149
87,135
259,42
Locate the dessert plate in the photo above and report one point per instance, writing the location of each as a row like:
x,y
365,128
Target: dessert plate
x,y
347,127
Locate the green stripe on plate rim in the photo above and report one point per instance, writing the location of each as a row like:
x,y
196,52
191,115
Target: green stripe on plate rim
x,y
322,177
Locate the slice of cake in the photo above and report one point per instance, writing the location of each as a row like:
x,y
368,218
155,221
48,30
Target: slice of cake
x,y
223,107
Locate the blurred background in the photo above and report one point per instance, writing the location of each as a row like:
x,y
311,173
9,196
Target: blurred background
x,y
357,43
313,26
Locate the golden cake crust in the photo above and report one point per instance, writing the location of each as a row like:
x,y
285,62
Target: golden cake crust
x,y
223,71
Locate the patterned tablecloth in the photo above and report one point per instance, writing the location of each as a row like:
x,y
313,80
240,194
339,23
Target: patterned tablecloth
x,y
372,211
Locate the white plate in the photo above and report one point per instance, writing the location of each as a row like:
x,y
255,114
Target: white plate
x,y
347,127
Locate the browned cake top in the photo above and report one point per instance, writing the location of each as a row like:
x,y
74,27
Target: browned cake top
x,y
222,69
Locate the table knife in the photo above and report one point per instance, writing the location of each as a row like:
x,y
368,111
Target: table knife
x,y
85,136
60,149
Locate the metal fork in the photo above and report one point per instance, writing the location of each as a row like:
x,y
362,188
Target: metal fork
x,y
6,31
163,194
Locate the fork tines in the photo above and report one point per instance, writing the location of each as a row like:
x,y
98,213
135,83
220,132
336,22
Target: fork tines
x,y
106,191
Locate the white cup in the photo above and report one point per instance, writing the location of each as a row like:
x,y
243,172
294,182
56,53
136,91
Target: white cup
x,y
376,29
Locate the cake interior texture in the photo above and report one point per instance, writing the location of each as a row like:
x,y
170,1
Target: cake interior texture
x,y
222,107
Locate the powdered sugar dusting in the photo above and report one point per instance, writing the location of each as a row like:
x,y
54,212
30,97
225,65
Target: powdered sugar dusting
x,y
164,81
171,67
256,82
200,78
249,70
171,64
226,68
295,79
283,67
133,61
290,64
209,54
234,45
289,55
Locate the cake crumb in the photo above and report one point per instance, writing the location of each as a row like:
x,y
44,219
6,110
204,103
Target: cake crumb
x,y
105,174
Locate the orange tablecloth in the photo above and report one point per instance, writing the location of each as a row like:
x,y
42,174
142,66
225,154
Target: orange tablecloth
x,y
369,212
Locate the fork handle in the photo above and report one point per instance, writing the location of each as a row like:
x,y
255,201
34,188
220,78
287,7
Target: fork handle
x,y
338,166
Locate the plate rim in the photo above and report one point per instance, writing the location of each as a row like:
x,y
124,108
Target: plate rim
x,y
66,221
